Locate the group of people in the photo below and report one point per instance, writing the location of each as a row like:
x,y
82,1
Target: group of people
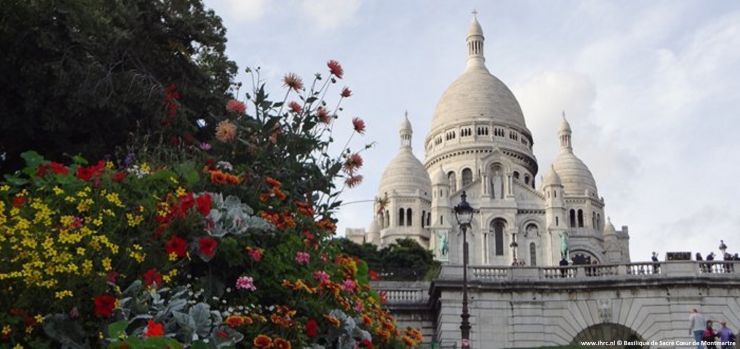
x,y
705,334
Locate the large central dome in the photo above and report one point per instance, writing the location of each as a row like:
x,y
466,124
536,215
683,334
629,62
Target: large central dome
x,y
478,96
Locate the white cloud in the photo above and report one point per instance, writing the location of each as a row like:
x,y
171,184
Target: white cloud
x,y
248,10
330,14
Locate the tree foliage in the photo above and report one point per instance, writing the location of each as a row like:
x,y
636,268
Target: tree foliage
x,y
80,75
404,259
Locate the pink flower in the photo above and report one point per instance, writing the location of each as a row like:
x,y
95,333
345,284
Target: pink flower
x,y
354,162
335,68
359,125
323,115
359,307
353,181
349,285
295,107
205,146
346,92
293,81
321,276
302,257
226,131
245,283
255,253
235,106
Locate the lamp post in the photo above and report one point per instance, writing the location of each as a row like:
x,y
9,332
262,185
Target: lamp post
x,y
464,215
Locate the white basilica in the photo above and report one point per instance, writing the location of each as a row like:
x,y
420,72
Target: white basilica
x,y
479,144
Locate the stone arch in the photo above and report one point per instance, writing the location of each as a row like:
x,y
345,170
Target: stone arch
x,y
586,252
607,332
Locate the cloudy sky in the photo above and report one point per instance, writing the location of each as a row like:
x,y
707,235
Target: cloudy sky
x,y
651,89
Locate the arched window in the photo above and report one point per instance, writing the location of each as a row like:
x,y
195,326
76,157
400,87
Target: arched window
x,y
598,221
441,220
423,216
557,221
497,227
555,193
400,217
453,181
572,218
429,218
516,174
408,217
593,219
532,254
580,218
526,179
387,218
467,177
382,219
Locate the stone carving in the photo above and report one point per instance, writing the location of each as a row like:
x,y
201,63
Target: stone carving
x,y
564,245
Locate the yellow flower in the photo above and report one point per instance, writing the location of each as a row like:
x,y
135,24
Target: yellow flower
x,y
180,191
39,318
114,199
4,187
62,294
6,330
58,191
134,220
145,169
109,165
106,264
172,256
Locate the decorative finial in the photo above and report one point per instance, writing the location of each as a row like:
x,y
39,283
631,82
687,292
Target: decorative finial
x,y
475,13
563,114
406,113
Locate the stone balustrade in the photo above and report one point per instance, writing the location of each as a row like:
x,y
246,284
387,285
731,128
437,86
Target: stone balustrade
x,y
417,292
639,270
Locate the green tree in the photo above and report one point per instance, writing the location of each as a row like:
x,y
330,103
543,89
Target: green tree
x,y
80,75
404,259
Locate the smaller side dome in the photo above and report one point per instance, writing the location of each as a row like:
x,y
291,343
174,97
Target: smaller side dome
x,y
439,177
552,177
609,229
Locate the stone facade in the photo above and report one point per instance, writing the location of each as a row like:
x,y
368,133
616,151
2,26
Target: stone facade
x,y
528,307
479,144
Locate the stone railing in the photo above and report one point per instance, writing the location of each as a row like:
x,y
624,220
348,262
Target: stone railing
x,y
403,292
714,269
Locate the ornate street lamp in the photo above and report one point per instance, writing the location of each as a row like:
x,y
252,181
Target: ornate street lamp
x,y
464,215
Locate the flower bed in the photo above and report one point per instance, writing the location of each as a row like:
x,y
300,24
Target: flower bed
x,y
221,242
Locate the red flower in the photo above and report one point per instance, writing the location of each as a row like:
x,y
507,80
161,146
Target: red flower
x,y
295,107
59,168
119,176
373,275
56,167
366,343
312,328
87,173
152,277
235,106
335,68
104,305
293,81
154,329
204,202
359,125
112,277
18,201
346,92
207,246
176,245
255,253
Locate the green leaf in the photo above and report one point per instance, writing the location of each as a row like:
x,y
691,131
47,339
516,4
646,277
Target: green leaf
x,y
15,180
117,329
187,171
33,159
